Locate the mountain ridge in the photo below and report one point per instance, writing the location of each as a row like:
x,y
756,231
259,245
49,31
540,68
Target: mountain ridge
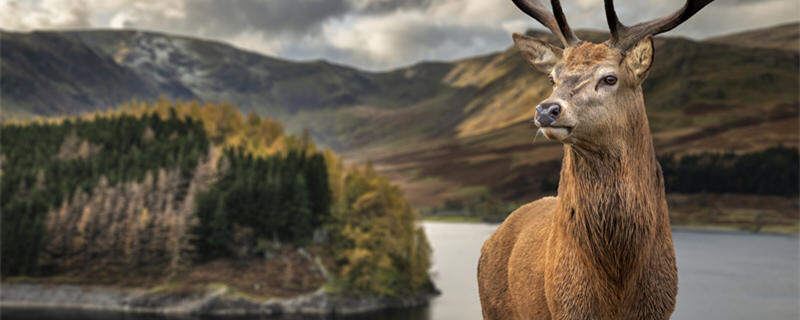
x,y
723,93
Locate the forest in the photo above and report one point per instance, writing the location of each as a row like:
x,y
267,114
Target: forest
x,y
279,197
771,172
161,187
45,164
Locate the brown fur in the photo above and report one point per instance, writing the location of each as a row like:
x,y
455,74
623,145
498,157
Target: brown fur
x,y
603,248
586,54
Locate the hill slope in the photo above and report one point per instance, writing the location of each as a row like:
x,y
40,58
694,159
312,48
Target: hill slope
x,y
444,129
700,97
159,195
785,37
93,65
50,73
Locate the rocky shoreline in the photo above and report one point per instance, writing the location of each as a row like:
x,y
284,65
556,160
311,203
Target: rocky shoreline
x,y
220,302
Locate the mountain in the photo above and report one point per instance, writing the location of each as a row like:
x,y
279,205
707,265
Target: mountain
x,y
785,37
441,129
54,73
50,73
700,97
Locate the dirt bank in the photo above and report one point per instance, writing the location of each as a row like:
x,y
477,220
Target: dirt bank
x,y
219,301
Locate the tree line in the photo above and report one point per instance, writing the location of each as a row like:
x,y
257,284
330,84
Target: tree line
x,y
44,164
279,198
239,182
773,171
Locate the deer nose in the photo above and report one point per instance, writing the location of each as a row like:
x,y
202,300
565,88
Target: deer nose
x,y
547,113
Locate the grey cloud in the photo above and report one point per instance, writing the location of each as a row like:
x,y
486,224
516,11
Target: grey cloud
x,y
382,6
19,15
225,18
297,17
80,15
432,43
445,42
719,17
417,42
735,2
301,29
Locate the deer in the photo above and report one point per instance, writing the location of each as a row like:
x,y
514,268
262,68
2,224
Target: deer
x,y
602,248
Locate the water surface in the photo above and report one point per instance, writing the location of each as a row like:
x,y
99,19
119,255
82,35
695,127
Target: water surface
x,y
721,276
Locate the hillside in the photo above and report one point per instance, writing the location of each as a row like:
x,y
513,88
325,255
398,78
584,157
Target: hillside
x,y
182,199
447,129
700,97
37,65
784,37
49,73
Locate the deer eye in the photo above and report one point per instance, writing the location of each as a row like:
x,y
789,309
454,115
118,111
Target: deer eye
x,y
552,82
610,80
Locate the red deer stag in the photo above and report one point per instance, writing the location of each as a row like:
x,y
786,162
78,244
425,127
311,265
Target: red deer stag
x,y
603,248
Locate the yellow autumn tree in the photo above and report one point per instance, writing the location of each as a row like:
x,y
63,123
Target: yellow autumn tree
x,y
378,247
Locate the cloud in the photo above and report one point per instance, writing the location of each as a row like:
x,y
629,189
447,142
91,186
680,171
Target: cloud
x,y
225,18
383,6
404,37
374,34
156,15
18,15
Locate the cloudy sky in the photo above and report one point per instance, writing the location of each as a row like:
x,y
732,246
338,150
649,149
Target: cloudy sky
x,y
371,34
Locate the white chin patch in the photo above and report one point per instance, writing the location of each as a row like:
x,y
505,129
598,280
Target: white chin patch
x,y
555,133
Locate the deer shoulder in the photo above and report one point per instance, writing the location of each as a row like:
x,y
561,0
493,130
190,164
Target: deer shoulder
x,y
526,229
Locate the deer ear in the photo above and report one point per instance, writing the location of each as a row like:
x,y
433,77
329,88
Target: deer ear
x,y
540,54
639,58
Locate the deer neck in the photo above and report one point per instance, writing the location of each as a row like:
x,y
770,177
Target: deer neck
x,y
611,203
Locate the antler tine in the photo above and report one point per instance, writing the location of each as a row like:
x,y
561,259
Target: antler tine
x,y
613,21
561,19
556,23
624,37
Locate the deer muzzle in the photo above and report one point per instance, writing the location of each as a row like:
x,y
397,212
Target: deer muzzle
x,y
547,113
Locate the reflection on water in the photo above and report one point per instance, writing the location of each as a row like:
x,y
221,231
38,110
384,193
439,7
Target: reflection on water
x,y
735,276
722,276
456,249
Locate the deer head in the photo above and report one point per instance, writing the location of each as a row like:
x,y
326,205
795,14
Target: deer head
x,y
596,103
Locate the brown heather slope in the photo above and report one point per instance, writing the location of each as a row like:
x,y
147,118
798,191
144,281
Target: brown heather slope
x,y
702,96
786,37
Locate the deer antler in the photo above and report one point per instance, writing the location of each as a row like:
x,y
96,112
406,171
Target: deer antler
x,y
624,37
557,23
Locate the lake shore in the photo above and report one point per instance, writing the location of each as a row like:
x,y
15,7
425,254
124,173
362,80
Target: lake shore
x,y
218,302
707,228
726,213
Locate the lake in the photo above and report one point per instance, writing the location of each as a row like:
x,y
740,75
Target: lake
x,y
721,276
